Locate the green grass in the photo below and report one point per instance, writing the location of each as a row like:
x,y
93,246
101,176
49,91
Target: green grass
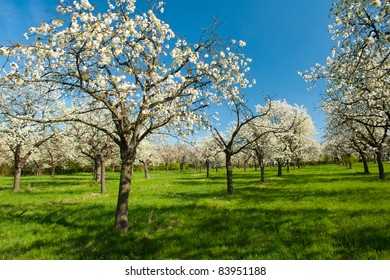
x,y
319,212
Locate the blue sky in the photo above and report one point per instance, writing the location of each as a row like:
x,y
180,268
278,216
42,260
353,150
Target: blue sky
x,y
283,37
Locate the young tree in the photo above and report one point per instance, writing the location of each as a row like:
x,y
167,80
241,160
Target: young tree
x,y
166,153
231,143
23,140
182,154
95,145
263,147
54,154
132,66
147,154
299,135
283,122
22,136
209,153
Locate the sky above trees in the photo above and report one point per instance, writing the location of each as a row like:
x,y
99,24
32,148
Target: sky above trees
x,y
283,37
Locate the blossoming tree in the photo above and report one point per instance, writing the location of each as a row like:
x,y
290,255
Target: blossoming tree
x,y
23,137
132,66
357,73
232,142
23,140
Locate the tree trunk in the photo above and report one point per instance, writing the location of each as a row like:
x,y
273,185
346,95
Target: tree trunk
x,y
288,165
121,216
381,169
245,165
207,168
181,167
97,169
146,168
17,175
53,171
280,171
102,174
229,173
18,167
262,172
365,164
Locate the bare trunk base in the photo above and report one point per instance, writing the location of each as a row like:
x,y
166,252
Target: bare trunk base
x,y
122,209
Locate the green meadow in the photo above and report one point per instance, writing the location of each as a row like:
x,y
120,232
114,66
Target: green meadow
x,y
318,212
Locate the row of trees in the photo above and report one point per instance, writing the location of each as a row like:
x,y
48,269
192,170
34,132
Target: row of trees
x,y
357,100
265,141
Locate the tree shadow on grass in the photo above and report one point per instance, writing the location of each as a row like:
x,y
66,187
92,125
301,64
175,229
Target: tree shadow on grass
x,y
69,231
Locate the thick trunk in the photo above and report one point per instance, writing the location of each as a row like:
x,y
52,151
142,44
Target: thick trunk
x,y
102,174
181,166
121,216
288,165
229,173
381,169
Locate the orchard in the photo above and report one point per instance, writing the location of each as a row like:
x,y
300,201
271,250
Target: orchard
x,y
113,91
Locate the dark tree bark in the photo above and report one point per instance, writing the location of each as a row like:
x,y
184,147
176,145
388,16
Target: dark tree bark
x,y
121,215
262,172
381,169
229,172
365,164
280,170
207,168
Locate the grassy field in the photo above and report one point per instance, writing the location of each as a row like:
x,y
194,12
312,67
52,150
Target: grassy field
x,y
319,212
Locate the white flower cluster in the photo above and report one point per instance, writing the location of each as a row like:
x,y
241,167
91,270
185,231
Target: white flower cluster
x,y
130,62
